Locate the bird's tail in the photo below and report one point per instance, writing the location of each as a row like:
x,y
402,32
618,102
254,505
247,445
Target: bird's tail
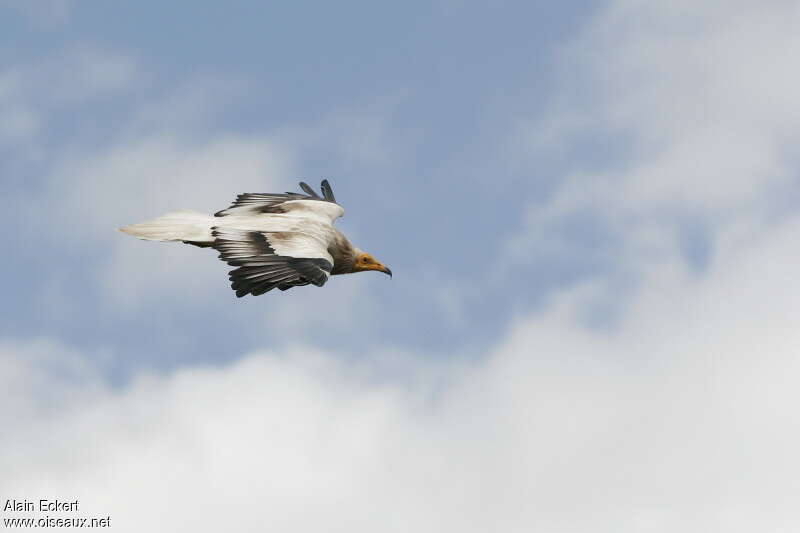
x,y
188,226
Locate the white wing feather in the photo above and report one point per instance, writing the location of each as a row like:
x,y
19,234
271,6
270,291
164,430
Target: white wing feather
x,y
313,209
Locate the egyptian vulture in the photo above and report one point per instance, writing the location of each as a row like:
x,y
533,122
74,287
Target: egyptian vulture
x,y
274,240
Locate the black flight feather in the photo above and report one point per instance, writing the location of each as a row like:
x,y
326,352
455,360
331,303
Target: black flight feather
x,y
308,190
327,192
260,269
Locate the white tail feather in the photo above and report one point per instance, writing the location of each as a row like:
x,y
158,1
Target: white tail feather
x,y
182,225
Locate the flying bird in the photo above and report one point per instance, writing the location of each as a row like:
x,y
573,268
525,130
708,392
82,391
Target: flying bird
x,y
274,240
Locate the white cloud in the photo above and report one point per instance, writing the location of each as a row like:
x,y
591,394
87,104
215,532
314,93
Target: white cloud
x,y
38,375
695,104
34,92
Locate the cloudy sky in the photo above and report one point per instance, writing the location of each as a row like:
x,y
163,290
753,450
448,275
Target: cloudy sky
x,y
591,211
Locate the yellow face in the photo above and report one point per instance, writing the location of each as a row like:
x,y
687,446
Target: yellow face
x,y
367,262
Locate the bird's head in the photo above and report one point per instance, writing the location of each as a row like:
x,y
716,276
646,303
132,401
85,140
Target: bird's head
x,y
364,261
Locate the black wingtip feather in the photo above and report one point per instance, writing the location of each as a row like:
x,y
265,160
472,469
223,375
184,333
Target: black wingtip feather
x,y
327,191
308,190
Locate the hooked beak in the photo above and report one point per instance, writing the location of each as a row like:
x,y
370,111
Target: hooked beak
x,y
374,265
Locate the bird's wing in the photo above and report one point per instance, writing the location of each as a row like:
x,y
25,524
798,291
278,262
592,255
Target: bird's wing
x,y
267,260
309,205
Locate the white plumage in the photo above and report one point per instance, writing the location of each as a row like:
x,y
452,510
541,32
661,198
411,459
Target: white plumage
x,y
183,225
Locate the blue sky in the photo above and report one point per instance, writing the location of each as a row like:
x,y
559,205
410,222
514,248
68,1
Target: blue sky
x,y
590,211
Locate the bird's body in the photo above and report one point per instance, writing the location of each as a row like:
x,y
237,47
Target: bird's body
x,y
274,240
